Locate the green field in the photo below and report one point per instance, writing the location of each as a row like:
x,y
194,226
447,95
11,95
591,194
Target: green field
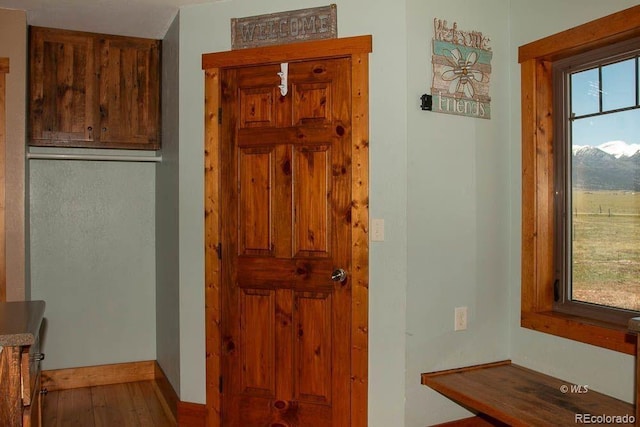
x,y
606,248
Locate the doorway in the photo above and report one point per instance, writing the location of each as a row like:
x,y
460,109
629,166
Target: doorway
x,y
286,224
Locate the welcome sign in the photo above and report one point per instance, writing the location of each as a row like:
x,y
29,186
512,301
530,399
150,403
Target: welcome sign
x,y
461,71
285,27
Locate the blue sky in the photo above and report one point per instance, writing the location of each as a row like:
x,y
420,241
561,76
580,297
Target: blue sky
x,y
612,127
618,91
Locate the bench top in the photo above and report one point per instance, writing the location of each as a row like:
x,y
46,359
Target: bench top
x,y
522,397
20,322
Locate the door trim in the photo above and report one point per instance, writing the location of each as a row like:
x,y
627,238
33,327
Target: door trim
x,y
4,70
357,49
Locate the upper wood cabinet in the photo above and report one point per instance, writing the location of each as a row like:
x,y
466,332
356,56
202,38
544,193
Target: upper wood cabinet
x,y
129,91
93,90
63,86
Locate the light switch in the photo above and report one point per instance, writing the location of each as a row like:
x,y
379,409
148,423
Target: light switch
x,y
377,230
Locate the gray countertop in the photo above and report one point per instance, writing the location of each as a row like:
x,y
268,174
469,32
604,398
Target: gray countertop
x,y
20,322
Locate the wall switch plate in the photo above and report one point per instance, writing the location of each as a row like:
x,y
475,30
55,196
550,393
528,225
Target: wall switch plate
x,y
377,230
460,321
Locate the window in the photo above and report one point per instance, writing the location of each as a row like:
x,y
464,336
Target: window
x,y
597,183
554,291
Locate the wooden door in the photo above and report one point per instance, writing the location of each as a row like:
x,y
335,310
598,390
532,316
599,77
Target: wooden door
x,y
286,209
129,92
62,83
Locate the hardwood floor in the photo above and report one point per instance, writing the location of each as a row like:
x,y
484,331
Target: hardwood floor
x,y
119,405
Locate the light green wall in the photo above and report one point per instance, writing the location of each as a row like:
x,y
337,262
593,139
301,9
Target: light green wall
x,y
457,208
92,230
167,214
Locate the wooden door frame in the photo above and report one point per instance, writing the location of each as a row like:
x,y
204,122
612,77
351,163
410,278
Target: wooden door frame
x,y
357,49
4,69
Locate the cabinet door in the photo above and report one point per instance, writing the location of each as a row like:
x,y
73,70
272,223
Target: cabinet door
x,y
129,93
62,82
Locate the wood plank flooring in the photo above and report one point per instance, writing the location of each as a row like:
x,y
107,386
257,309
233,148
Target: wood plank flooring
x,y
135,404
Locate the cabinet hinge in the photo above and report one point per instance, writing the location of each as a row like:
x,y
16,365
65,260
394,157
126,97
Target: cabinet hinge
x,y
220,383
219,250
220,115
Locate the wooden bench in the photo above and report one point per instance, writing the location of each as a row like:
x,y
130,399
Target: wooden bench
x,y
502,393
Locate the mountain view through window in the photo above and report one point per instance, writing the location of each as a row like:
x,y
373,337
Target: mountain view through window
x,y
603,210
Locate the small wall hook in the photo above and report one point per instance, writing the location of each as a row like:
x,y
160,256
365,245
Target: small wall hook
x,y
284,74
427,102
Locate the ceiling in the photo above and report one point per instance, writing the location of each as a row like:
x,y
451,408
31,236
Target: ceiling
x,y
141,18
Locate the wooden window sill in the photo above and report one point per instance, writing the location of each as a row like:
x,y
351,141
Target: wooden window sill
x,y
522,397
589,331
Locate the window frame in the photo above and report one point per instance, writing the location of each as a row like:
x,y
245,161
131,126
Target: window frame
x,y
538,185
562,69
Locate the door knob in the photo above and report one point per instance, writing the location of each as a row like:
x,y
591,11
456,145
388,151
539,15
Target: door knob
x,y
339,275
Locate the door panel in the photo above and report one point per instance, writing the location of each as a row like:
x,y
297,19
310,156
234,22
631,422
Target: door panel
x,y
258,342
311,196
286,188
256,107
313,103
313,345
255,172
